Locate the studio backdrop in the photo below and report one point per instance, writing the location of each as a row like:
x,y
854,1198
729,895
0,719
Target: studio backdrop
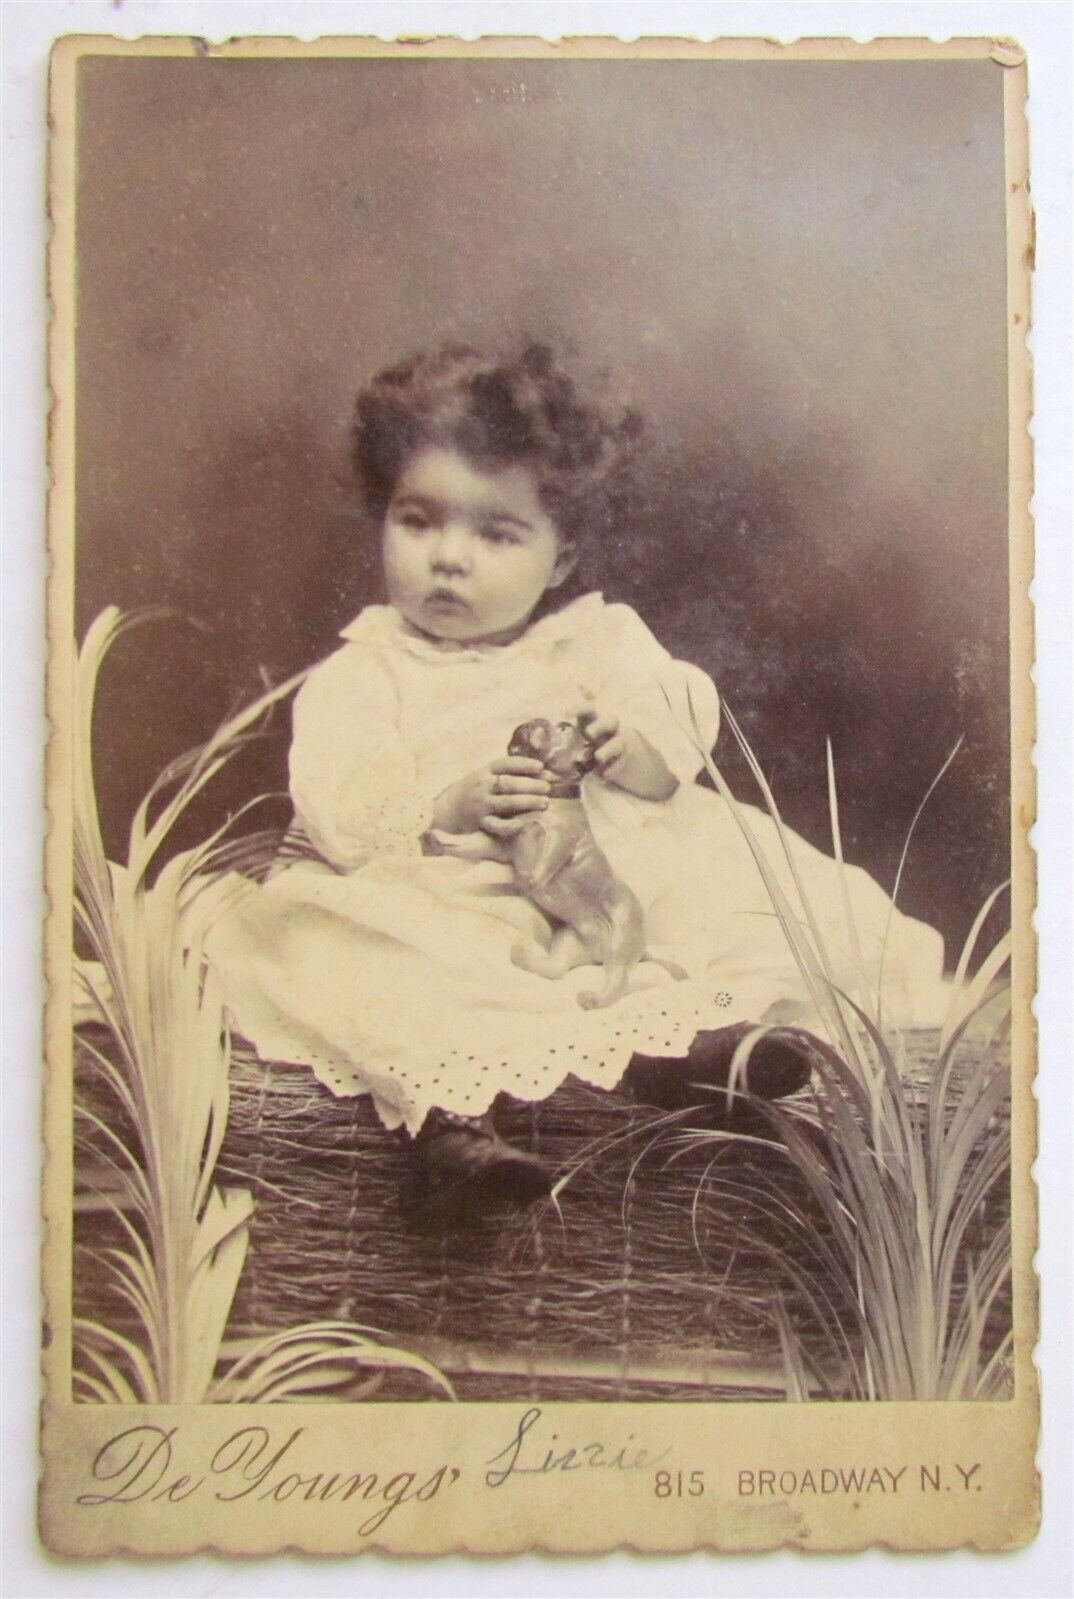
x,y
814,334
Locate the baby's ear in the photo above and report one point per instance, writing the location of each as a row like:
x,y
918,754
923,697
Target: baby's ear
x,y
566,561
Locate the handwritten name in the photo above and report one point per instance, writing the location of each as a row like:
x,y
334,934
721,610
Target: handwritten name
x,y
142,1463
527,1456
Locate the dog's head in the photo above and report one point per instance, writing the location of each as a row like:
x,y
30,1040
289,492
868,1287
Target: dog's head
x,y
561,747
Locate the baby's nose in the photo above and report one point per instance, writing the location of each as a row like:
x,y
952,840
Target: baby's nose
x,y
452,550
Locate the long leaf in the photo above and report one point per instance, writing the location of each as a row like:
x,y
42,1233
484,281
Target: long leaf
x,y
263,1366
170,1076
93,1333
214,754
818,947
902,867
114,1389
844,891
966,955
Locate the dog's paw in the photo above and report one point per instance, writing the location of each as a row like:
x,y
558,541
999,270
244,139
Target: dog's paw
x,y
588,999
520,955
436,842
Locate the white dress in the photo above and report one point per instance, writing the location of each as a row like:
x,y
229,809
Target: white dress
x,y
389,972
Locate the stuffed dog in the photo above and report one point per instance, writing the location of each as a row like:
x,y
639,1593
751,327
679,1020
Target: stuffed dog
x,y
557,862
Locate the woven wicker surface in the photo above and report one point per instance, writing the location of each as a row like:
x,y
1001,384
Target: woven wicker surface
x,y
610,1276
639,1281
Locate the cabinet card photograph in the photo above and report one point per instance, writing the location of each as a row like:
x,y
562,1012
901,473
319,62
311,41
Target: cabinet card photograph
x,y
540,953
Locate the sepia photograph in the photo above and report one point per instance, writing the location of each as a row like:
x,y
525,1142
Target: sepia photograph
x,y
541,673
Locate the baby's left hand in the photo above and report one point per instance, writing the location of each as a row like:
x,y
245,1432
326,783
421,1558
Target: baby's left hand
x,y
609,738
623,757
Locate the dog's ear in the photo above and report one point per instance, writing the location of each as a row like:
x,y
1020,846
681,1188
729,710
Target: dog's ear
x,y
530,739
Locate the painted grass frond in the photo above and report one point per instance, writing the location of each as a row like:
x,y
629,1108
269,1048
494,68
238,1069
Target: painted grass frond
x,y
844,891
904,856
993,1379
93,1339
810,959
111,1386
895,1179
809,1276
590,1153
819,952
205,763
115,1079
117,1156
120,1271
964,959
317,1356
164,1073
795,1375
105,1393
892,1229
977,990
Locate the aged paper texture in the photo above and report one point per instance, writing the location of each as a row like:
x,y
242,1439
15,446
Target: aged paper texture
x,y
539,785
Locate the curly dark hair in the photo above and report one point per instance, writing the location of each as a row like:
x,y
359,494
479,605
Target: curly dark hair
x,y
497,410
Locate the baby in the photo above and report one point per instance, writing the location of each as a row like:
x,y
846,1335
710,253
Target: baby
x,y
436,982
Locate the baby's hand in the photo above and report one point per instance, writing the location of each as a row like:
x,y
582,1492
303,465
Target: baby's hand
x,y
610,740
497,798
623,757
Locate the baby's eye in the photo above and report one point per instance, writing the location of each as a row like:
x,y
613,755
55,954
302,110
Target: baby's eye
x,y
500,535
416,521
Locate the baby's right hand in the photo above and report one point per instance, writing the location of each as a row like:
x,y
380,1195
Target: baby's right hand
x,y
497,798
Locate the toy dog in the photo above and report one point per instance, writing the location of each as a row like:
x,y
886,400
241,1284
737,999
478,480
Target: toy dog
x,y
557,862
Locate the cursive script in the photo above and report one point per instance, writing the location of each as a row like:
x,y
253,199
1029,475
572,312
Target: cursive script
x,y
531,1456
144,1462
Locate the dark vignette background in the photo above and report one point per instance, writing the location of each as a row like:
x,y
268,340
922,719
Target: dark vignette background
x,y
796,270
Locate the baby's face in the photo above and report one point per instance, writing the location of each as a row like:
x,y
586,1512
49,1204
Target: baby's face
x,y
468,550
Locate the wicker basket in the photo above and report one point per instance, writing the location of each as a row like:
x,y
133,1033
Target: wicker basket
x,y
638,1280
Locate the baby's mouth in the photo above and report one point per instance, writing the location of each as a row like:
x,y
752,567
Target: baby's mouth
x,y
446,598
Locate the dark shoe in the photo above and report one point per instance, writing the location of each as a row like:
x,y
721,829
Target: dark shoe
x,y
459,1155
780,1063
